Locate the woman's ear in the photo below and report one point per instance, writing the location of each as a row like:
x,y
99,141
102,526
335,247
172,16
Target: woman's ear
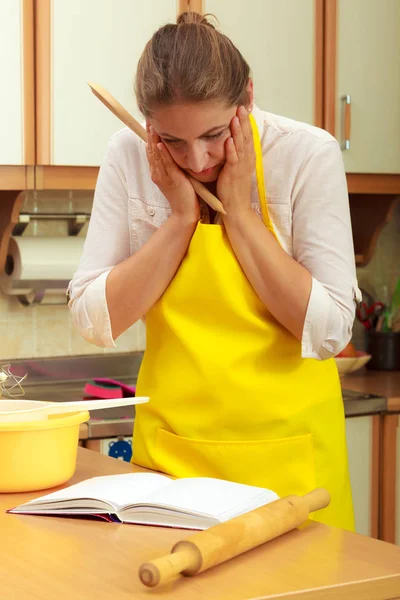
x,y
250,92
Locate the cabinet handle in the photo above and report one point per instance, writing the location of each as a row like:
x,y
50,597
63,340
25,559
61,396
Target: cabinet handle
x,y
346,101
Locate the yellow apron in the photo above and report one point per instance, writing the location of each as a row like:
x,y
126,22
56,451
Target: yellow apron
x,y
230,395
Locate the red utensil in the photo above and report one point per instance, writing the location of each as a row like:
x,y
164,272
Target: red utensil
x,y
101,387
369,315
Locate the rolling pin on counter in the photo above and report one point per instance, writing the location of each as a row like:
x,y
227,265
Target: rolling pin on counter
x,y
60,558
224,541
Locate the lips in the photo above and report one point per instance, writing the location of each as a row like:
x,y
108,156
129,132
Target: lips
x,y
204,172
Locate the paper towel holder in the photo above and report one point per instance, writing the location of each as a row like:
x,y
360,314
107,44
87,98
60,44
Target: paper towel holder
x,y
11,219
39,287
76,221
11,203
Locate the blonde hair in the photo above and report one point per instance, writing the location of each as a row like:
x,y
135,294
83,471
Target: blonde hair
x,y
190,61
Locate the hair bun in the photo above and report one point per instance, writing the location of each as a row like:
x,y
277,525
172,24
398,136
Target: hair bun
x,y
193,18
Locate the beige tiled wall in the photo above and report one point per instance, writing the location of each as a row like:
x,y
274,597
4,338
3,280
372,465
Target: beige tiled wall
x,y
46,331
380,275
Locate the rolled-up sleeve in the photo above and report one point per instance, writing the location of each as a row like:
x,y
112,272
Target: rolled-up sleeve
x,y
107,243
323,244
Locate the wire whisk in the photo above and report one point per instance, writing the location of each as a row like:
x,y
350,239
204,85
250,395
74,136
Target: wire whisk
x,y
10,384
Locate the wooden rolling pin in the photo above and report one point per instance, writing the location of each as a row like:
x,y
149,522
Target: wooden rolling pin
x,y
119,111
213,546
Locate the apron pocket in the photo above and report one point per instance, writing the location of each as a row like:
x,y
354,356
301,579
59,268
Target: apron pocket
x,y
284,465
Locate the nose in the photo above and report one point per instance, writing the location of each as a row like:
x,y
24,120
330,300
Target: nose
x,y
197,158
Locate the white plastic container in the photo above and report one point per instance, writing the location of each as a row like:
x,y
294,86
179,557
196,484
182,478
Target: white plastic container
x,y
22,410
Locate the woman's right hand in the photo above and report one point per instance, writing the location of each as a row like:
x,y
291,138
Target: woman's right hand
x,y
170,179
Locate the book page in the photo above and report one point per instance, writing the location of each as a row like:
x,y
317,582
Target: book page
x,y
214,497
117,490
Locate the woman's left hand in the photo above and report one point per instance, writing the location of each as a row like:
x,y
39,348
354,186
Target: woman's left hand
x,y
234,180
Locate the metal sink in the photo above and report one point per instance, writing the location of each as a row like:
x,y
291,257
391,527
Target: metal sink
x,y
63,379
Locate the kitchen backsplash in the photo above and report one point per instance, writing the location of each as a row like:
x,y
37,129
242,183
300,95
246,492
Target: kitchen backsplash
x,y
382,271
46,331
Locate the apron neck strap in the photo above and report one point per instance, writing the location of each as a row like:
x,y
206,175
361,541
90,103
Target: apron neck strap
x,y
262,196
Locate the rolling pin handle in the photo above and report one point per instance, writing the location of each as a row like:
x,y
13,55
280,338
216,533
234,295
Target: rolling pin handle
x,y
149,574
161,570
317,499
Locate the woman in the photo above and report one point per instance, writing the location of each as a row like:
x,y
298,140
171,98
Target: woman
x,y
244,312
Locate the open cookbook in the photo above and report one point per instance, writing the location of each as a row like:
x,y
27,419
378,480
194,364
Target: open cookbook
x,y
152,499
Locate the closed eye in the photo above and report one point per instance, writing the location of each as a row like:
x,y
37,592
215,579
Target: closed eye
x,y
172,142
213,136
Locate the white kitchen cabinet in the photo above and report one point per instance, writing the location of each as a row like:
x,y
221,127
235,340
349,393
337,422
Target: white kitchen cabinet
x,y
16,89
90,40
278,41
359,432
368,70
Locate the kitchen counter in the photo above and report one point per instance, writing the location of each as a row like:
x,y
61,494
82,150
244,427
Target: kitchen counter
x,y
358,400
115,422
43,558
381,383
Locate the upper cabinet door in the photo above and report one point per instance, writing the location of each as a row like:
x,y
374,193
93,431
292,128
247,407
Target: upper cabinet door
x,y
278,40
368,70
16,89
80,41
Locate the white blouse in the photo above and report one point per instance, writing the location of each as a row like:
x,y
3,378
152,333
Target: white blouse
x,y
308,205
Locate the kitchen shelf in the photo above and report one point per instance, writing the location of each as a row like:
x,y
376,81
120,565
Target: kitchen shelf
x,y
373,183
17,178
65,178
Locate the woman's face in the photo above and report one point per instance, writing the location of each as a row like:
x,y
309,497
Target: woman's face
x,y
195,135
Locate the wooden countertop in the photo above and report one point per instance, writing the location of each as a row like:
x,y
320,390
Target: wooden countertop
x,y
382,383
48,558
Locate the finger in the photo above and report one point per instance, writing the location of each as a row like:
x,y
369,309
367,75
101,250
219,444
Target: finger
x,y
171,169
152,138
150,149
153,157
153,165
154,135
244,120
231,156
154,141
161,164
148,141
237,135
149,152
168,162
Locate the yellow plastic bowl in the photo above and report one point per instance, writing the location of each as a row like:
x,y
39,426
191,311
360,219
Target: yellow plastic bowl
x,y
36,455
